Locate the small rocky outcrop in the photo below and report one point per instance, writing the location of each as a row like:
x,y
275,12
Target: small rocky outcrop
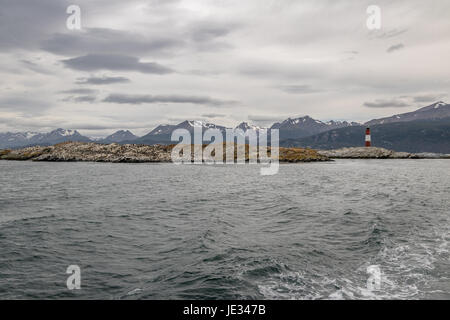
x,y
4,152
430,155
301,155
377,153
365,153
79,151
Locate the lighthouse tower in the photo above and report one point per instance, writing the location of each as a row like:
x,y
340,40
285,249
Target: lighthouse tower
x,y
368,139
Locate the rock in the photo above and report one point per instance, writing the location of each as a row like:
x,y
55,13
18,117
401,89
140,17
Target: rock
x,y
378,153
301,155
22,154
4,152
81,151
430,155
365,153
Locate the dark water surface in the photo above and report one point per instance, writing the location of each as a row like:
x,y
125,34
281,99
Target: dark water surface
x,y
160,231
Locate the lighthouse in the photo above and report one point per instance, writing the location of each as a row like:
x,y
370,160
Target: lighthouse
x,y
368,140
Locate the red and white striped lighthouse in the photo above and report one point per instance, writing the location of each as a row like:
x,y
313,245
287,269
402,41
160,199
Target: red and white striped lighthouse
x,y
368,140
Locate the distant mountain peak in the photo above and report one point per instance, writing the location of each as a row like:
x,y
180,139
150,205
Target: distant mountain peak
x,y
437,110
198,124
23,139
304,126
64,132
119,136
439,104
299,119
342,123
244,126
194,123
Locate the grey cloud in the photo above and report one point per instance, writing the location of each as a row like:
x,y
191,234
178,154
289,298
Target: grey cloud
x,y
277,43
395,47
212,115
35,67
386,104
298,89
84,99
208,31
48,123
81,126
81,99
41,24
148,99
428,98
79,91
80,95
23,103
24,23
102,40
264,118
93,62
102,80
301,70
388,34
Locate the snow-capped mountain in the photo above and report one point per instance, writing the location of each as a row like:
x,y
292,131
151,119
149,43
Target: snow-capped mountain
x,y
163,133
58,136
119,136
341,124
167,129
307,126
424,130
244,126
21,139
289,129
435,111
15,138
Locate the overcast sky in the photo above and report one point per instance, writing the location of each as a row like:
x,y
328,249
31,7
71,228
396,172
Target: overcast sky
x,y
136,64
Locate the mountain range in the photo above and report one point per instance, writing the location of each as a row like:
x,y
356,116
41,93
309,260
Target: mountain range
x,y
424,130
307,126
118,137
436,111
22,139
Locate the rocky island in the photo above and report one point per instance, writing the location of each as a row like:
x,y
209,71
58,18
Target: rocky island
x,y
377,153
133,153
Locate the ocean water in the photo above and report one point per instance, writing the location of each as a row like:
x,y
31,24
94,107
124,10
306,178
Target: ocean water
x,y
161,231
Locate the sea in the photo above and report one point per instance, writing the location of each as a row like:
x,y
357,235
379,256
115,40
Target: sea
x,y
347,229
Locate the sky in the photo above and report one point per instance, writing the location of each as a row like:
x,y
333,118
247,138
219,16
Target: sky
x,y
136,64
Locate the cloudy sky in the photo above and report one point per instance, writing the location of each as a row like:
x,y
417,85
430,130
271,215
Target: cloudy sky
x,y
136,64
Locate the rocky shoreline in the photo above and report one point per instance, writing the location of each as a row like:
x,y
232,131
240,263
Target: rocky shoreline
x,y
129,153
133,153
377,153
